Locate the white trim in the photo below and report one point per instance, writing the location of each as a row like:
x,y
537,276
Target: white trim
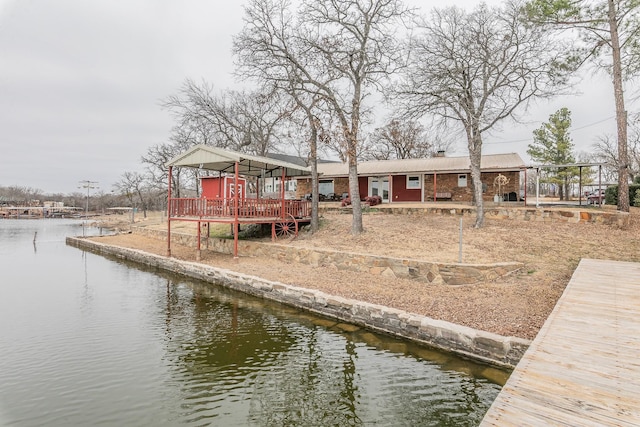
x,y
380,180
420,179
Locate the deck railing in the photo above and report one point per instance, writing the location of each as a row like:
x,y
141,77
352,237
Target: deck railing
x,y
247,208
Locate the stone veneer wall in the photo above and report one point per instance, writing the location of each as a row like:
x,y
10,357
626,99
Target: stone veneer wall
x,y
423,271
611,218
467,342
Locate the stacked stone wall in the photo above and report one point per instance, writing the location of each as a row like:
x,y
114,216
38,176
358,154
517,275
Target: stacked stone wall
x,y
610,218
423,271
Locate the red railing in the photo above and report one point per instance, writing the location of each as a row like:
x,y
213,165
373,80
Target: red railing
x,y
247,208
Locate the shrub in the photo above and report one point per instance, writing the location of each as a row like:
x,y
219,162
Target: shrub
x,y
373,200
636,200
611,194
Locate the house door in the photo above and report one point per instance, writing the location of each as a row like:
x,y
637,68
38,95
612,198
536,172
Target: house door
x,y
379,186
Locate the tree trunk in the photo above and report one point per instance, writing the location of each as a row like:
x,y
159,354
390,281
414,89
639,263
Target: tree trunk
x,y
621,113
352,158
354,192
561,190
313,146
475,156
354,188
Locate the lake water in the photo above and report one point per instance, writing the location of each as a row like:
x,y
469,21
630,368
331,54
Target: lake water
x,y
86,340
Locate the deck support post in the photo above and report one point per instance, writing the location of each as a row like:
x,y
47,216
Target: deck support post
x,y
235,213
282,211
169,213
198,250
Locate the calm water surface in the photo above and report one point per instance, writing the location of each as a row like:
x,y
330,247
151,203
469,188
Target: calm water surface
x,y
86,340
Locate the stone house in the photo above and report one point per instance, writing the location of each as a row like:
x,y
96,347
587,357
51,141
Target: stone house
x,y
423,180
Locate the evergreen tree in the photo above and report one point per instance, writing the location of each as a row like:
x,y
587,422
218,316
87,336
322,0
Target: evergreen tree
x,y
610,36
552,145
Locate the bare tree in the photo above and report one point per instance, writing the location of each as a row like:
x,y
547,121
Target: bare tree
x,y
478,68
606,150
339,50
20,195
241,121
135,187
402,139
155,160
611,26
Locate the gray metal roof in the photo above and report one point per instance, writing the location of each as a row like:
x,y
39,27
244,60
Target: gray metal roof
x,y
489,163
296,160
218,159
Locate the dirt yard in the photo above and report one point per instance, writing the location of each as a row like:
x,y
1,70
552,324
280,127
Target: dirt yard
x,y
516,305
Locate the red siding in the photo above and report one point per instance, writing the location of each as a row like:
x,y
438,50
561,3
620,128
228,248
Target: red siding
x,y
363,186
401,193
212,186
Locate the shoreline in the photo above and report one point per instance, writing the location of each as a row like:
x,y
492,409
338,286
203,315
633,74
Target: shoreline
x,y
480,346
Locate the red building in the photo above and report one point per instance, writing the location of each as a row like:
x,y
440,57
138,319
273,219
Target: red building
x,y
215,187
422,180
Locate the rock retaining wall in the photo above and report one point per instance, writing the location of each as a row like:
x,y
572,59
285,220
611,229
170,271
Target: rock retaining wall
x,y
467,342
613,218
424,271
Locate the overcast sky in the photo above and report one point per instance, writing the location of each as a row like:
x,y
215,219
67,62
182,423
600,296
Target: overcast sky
x,y
81,81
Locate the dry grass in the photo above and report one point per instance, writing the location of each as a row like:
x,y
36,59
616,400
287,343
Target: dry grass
x,y
516,305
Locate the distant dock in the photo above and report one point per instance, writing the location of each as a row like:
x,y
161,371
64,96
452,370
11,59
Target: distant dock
x,y
583,368
36,212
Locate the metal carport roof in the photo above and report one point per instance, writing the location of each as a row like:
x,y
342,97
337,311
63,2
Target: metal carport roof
x,y
218,159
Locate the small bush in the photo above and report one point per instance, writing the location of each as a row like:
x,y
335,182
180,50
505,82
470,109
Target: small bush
x,y
611,194
373,200
636,200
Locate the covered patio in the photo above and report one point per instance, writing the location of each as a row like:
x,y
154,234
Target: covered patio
x,y
283,215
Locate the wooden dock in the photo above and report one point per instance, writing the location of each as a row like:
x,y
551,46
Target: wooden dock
x,y
583,368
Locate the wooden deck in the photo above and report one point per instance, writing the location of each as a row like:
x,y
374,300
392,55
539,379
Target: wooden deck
x,y
583,368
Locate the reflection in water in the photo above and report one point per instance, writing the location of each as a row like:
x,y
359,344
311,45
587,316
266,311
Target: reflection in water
x,y
241,361
89,340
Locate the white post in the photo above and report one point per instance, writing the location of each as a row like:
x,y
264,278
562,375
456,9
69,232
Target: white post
x,y
537,187
460,250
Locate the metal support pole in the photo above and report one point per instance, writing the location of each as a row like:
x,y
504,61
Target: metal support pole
x,y
88,185
169,213
435,186
600,185
525,187
198,250
580,186
537,187
235,213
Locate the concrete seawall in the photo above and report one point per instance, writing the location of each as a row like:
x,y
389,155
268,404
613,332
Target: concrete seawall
x,y
478,345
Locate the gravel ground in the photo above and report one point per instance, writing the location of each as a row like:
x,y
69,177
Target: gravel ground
x,y
516,305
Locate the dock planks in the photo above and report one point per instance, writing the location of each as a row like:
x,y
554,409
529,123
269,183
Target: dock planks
x,y
583,367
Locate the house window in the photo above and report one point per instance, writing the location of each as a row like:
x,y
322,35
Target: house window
x,y
462,180
290,185
414,181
